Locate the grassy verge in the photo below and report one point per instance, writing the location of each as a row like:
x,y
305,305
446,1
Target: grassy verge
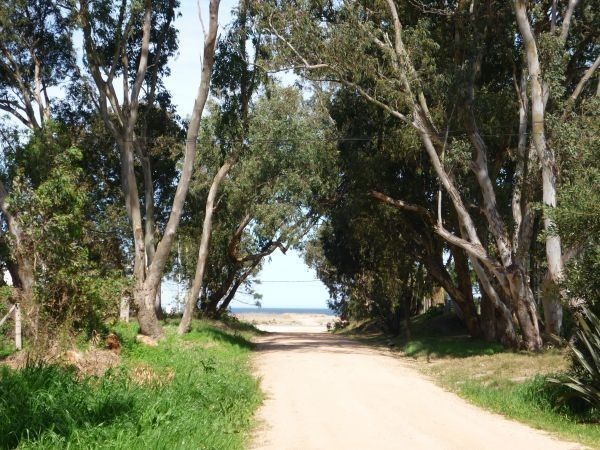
x,y
509,383
194,391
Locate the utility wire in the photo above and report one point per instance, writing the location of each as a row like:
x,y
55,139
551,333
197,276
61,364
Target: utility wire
x,y
289,281
453,133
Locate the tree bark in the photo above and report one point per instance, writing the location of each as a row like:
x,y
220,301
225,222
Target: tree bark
x,y
25,270
148,278
196,287
233,289
551,297
467,304
18,334
124,309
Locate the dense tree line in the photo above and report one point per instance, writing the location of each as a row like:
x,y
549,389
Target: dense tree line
x,y
98,178
485,116
421,145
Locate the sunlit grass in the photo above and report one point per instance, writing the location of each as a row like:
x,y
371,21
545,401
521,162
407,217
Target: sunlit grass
x,y
506,382
503,381
194,391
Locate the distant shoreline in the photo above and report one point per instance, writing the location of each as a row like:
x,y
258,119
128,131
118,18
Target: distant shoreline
x,y
256,310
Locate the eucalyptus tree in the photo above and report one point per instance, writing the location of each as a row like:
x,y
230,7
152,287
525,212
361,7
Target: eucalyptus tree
x,y
282,186
398,57
36,56
549,77
109,32
375,154
235,81
60,246
273,195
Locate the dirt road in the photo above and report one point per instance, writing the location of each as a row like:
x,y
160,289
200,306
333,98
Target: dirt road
x,y
327,392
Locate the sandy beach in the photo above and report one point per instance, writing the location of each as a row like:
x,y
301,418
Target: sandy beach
x,y
287,322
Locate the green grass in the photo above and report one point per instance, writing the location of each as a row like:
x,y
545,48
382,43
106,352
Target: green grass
x,y
532,402
432,336
194,391
506,382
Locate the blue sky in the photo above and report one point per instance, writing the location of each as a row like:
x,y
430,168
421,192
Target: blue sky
x,y
299,288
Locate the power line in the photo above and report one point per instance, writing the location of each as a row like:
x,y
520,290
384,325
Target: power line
x,y
453,133
290,281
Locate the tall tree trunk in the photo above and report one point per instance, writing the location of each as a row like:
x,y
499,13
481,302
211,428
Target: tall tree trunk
x,y
488,317
467,304
22,266
525,308
164,246
196,287
149,224
551,297
148,277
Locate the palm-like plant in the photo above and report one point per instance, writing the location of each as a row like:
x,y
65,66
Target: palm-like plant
x,y
584,382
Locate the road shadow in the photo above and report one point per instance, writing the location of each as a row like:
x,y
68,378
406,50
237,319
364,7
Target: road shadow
x,y
310,342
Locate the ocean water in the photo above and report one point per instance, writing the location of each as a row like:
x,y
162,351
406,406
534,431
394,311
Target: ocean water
x,y
257,310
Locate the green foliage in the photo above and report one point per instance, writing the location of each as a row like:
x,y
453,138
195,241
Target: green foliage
x,y
584,382
73,283
577,215
533,403
284,173
554,60
208,404
35,34
7,343
582,279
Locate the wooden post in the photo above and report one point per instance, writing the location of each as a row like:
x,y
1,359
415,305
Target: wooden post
x,y
124,309
18,337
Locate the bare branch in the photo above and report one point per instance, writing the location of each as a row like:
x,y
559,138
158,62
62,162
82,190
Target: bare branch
x,y
296,52
474,249
584,79
201,20
402,205
567,19
379,103
142,66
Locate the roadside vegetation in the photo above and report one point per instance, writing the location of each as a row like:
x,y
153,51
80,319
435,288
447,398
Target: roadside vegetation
x,y
512,383
194,391
427,154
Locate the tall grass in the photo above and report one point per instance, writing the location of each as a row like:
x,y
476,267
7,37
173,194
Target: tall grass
x,y
190,392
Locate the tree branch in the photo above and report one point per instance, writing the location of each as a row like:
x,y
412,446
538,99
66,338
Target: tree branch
x,y
584,79
567,19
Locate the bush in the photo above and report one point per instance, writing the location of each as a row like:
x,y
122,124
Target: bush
x,y
584,380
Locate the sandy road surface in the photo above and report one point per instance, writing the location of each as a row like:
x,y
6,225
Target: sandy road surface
x,y
327,392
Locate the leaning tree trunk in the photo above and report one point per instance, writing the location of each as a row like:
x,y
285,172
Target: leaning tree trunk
x,y
233,289
163,249
192,297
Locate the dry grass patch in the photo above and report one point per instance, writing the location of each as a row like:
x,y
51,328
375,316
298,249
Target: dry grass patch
x,y
146,375
92,362
496,369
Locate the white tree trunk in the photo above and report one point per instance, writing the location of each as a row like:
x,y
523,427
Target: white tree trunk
x,y
18,333
192,297
551,296
124,309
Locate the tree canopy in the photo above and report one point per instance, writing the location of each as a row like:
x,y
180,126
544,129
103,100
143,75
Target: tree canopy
x,y
409,147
